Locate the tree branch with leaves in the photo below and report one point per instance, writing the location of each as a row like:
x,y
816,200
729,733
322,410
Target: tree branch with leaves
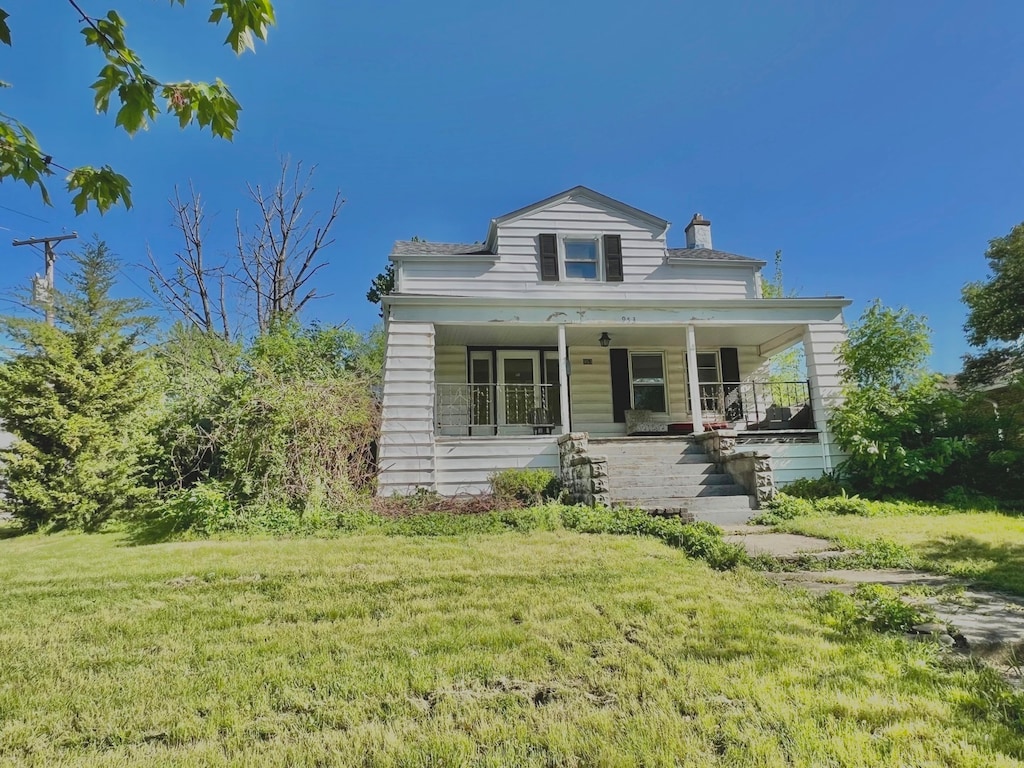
x,y
124,80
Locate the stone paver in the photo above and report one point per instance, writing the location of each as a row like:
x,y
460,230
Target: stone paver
x,y
986,620
781,545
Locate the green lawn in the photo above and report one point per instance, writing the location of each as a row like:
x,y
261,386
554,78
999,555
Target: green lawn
x,y
542,649
984,547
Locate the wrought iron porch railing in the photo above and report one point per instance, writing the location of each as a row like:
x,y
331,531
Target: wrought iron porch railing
x,y
521,409
495,409
756,405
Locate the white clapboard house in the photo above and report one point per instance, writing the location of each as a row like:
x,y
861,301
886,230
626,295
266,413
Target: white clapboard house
x,y
575,316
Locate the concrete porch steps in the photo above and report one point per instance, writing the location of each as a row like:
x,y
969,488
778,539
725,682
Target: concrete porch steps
x,y
672,473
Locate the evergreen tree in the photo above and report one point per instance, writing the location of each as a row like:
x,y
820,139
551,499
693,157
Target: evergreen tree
x,y
75,396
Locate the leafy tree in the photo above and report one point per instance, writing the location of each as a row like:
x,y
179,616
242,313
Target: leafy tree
x,y
75,396
886,349
789,365
382,285
995,320
124,79
896,423
286,433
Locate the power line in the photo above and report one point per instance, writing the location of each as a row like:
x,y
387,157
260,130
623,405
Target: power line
x,y
26,215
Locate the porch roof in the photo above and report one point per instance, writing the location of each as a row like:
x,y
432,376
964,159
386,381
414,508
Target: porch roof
x,y
768,339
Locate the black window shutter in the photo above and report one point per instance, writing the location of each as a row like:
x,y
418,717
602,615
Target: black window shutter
x,y
613,258
548,257
620,384
730,357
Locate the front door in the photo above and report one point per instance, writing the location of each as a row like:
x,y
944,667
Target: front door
x,y
519,391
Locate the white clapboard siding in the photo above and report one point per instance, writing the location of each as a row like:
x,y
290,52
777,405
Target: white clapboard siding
x,y
515,270
463,465
405,455
591,389
821,348
791,461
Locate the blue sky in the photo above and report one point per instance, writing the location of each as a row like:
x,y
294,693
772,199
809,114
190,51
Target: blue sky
x,y
879,145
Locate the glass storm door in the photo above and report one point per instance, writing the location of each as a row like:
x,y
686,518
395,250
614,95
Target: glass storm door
x,y
518,390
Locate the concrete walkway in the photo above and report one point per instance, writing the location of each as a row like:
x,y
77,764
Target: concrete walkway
x,y
991,623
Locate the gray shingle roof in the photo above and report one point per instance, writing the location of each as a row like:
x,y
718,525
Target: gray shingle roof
x,y
706,254
407,247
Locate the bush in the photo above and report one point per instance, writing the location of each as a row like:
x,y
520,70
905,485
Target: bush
x,y
699,540
884,610
529,486
817,488
872,605
783,507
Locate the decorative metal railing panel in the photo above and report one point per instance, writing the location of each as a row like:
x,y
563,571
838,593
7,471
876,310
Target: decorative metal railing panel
x,y
495,409
758,404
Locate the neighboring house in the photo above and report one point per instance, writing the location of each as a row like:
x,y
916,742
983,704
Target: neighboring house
x,y
574,314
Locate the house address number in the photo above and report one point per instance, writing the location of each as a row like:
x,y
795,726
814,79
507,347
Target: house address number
x,y
628,319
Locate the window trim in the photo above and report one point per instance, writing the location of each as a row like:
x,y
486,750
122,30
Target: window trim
x,y
581,237
664,377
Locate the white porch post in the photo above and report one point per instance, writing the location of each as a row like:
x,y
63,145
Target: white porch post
x,y
821,346
691,374
563,380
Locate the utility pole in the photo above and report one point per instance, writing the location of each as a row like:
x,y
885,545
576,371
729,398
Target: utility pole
x,y
50,257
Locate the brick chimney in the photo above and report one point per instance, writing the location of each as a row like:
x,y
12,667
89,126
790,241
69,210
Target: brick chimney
x,y
698,232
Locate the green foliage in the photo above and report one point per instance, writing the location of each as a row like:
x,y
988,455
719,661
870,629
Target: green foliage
x,y
124,79
995,307
77,396
896,422
783,507
530,486
886,349
700,540
382,285
875,606
885,611
828,484
284,429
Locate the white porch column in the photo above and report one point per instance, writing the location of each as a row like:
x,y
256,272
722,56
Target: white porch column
x,y
563,380
821,345
691,374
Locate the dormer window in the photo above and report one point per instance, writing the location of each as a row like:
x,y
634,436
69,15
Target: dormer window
x,y
581,260
575,257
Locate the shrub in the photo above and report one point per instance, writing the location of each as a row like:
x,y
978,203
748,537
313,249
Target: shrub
x,y
783,507
884,610
530,486
699,540
872,605
817,488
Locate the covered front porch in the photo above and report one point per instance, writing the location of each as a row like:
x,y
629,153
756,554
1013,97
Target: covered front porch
x,y
618,379
475,385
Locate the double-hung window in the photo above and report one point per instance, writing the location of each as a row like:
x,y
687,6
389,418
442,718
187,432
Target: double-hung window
x,y
581,260
647,378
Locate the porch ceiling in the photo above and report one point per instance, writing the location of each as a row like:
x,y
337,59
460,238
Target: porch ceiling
x,y
771,337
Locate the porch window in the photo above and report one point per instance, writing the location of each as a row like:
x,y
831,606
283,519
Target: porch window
x,y
647,377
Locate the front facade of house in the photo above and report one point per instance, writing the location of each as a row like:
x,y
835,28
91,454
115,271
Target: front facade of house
x,y
575,315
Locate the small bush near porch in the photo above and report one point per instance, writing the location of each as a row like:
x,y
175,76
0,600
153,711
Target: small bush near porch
x,y
547,648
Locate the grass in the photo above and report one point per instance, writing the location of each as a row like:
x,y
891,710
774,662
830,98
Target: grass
x,y
986,548
551,648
